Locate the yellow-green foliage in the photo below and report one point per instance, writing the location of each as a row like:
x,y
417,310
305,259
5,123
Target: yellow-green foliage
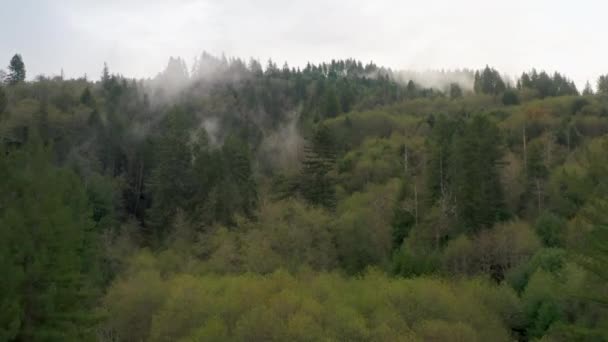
x,y
505,246
363,230
375,161
287,234
306,307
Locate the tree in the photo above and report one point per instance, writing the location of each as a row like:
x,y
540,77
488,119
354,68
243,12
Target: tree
x,y
510,98
105,74
550,228
47,250
331,105
455,91
3,100
86,98
16,70
171,181
488,82
474,166
602,85
548,85
536,173
235,191
588,90
316,183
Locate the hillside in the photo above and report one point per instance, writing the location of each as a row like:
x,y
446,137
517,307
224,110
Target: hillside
x,y
340,201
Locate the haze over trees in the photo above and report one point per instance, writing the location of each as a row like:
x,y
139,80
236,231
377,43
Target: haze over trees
x,y
248,201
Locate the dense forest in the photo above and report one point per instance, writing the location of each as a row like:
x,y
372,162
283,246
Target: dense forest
x,y
341,201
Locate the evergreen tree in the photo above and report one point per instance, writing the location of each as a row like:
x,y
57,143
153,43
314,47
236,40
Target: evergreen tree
x,y
455,91
536,173
3,100
488,82
317,185
602,85
86,98
171,181
105,75
474,166
510,98
16,70
411,89
235,189
547,85
331,105
588,90
47,254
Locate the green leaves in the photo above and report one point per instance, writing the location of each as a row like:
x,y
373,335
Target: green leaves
x,y
46,257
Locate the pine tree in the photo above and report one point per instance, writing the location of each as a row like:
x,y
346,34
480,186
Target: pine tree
x,y
171,181
3,100
16,70
455,91
316,182
510,98
86,98
47,258
331,105
602,85
588,90
474,166
105,75
488,82
238,173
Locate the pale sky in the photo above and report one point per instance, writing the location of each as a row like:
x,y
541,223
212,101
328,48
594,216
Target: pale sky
x,y
137,37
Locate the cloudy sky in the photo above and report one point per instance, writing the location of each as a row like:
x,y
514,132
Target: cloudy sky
x,y
137,37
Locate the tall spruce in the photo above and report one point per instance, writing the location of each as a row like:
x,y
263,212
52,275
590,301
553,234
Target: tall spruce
x,y
47,250
171,180
317,184
16,70
475,162
3,100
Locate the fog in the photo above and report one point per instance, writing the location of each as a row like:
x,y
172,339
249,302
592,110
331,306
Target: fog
x,y
136,37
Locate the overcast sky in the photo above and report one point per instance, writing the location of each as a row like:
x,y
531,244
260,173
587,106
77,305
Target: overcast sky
x,y
137,37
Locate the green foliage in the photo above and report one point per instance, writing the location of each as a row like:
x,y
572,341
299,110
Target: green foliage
x,y
280,306
491,252
602,85
550,228
363,225
550,260
475,168
316,183
455,91
171,181
395,177
16,70
510,98
546,85
488,81
48,252
3,100
86,98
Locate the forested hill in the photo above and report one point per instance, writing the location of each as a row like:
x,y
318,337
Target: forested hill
x,y
340,201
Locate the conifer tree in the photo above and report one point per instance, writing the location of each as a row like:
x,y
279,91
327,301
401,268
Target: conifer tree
x,y
86,98
474,165
47,254
171,181
3,100
317,184
602,85
16,70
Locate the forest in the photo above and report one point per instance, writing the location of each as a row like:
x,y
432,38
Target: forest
x,y
340,201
